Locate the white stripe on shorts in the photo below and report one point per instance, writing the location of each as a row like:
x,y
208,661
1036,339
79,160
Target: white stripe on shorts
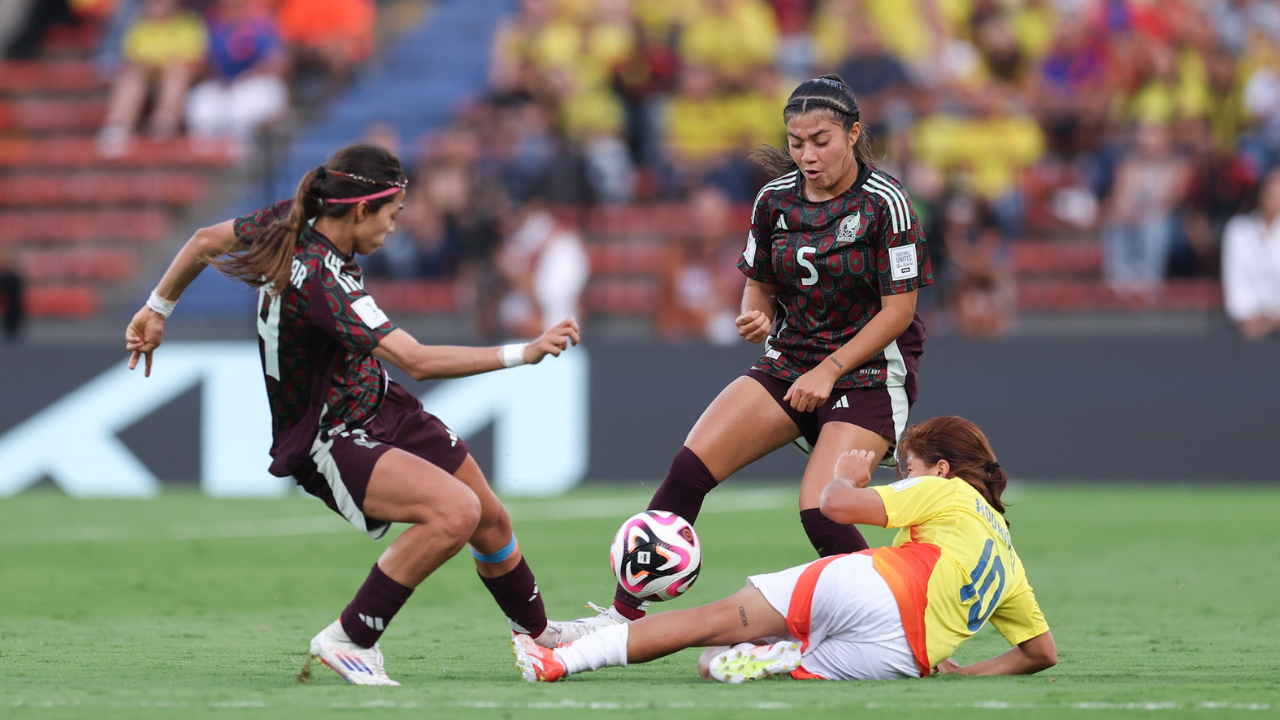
x,y
322,456
269,331
896,370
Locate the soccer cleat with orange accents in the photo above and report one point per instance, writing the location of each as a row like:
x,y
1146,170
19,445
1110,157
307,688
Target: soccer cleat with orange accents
x,y
357,665
536,663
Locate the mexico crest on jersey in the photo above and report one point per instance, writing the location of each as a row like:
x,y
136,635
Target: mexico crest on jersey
x,y
849,228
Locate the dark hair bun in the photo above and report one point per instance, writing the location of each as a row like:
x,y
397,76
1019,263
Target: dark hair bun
x,y
833,77
321,172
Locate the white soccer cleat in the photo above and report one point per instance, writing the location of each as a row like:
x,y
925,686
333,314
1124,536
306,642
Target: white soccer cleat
x,y
357,665
558,633
571,630
738,665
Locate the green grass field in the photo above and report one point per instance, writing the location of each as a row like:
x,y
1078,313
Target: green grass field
x,y
1164,602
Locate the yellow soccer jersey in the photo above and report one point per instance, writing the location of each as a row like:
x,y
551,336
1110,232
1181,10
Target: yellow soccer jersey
x,y
952,567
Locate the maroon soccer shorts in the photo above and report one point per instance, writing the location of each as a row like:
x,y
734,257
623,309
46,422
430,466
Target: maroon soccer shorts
x,y
340,466
881,410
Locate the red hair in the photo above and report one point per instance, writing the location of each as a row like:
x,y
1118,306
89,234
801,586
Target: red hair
x,y
964,447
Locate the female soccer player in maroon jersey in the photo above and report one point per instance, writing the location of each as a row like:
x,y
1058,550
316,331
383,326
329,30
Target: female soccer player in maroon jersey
x,y
833,261
344,430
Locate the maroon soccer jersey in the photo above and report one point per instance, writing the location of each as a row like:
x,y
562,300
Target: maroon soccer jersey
x,y
316,338
832,262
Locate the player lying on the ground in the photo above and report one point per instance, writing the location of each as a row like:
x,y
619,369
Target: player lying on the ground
x,y
892,612
344,430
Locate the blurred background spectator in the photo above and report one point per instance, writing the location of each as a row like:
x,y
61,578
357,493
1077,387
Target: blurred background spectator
x,y
545,266
1064,156
701,284
1251,264
12,295
162,52
245,89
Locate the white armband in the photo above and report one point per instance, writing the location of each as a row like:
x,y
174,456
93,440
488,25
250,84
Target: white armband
x,y
512,355
163,308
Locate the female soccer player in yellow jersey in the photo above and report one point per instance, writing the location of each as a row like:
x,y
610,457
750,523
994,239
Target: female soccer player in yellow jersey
x,y
892,612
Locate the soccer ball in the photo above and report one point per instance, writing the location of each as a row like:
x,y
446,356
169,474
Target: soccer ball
x,y
656,555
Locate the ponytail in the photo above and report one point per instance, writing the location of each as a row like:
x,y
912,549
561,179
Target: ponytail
x,y
828,94
349,174
269,260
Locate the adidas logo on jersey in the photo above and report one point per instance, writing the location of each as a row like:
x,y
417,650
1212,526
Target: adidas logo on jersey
x,y
781,224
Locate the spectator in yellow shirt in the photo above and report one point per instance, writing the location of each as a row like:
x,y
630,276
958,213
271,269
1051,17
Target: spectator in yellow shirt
x,y
731,37
161,50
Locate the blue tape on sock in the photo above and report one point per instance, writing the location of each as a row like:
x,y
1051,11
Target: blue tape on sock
x,y
499,556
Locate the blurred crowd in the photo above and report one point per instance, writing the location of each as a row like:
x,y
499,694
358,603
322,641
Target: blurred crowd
x,y
1147,123
222,69
1150,124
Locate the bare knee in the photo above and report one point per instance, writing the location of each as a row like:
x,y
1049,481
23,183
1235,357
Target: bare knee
x,y
453,520
460,520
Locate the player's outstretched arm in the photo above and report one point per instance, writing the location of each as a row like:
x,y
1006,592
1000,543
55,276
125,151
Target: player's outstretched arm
x,y
1032,656
846,498
425,362
146,330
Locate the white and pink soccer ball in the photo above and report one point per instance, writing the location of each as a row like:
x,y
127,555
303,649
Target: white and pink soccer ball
x,y
656,555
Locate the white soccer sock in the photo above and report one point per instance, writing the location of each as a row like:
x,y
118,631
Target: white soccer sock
x,y
606,647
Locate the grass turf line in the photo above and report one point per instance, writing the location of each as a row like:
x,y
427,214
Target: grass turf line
x,y
1163,601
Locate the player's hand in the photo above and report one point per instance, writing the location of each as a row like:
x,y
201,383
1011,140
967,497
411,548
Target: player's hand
x,y
552,342
143,336
812,389
947,667
856,466
753,325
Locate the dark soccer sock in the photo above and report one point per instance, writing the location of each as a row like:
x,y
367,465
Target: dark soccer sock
x,y
685,487
829,537
370,612
517,594
681,492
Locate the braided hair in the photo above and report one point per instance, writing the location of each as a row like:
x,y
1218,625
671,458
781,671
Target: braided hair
x,y
831,96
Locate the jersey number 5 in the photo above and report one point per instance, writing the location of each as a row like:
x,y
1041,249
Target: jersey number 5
x,y
802,257
985,597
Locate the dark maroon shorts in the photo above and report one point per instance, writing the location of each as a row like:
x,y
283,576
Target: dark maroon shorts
x,y
341,463
879,409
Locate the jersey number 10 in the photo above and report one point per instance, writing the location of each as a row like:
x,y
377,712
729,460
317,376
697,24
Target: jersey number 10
x,y
976,616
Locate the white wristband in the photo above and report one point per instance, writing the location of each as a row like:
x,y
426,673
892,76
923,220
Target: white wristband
x,y
512,355
163,308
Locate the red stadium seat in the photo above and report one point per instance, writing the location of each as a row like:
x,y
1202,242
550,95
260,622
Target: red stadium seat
x,y
62,301
621,296
1054,257
420,296
101,264
625,258
45,116
63,76
82,152
84,226
100,188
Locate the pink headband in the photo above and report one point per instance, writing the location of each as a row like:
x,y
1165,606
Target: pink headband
x,y
362,198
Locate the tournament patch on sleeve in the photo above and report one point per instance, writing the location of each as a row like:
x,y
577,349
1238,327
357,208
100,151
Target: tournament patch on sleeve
x,y
905,483
902,262
369,312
